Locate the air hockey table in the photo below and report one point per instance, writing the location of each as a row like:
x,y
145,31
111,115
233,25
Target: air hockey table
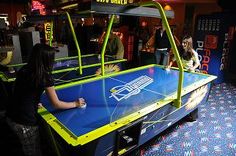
x,y
124,110
65,70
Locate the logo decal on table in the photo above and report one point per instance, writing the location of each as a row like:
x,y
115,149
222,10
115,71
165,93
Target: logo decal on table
x,y
109,68
132,88
196,97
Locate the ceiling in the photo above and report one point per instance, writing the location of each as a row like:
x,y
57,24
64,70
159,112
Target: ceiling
x,y
225,4
15,1
186,1
50,2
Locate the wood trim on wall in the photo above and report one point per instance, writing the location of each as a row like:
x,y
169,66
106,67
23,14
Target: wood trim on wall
x,y
11,9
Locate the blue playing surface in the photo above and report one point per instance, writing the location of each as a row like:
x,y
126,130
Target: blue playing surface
x,y
88,60
65,64
112,98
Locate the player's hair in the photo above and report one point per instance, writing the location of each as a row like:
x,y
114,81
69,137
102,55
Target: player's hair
x,y
40,62
187,55
189,40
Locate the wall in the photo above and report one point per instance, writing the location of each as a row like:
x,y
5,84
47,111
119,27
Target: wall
x,y
179,9
178,21
11,9
204,9
180,13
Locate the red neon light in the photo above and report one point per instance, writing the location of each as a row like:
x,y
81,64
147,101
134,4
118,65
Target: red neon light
x,y
36,5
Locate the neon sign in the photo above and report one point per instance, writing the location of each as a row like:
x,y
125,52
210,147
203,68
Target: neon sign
x,y
36,5
47,28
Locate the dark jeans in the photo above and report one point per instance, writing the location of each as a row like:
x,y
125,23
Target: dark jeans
x,y
28,136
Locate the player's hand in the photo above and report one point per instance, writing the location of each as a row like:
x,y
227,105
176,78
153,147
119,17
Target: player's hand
x,y
191,69
40,105
11,70
167,68
80,103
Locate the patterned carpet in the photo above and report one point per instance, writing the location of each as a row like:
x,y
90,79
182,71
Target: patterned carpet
x,y
214,132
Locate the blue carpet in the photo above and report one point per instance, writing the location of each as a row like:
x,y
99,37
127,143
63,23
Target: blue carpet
x,y
214,132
